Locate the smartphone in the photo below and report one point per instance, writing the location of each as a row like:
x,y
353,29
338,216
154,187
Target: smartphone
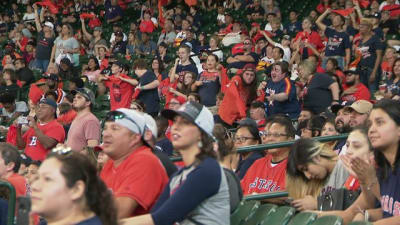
x,y
23,120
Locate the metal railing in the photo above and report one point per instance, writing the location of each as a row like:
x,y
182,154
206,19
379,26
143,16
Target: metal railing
x,y
263,147
11,202
269,195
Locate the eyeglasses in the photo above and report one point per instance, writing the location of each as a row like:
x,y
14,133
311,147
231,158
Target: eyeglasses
x,y
349,74
267,134
246,43
242,139
116,115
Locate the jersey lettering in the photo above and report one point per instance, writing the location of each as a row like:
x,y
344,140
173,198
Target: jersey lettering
x,y
33,141
264,185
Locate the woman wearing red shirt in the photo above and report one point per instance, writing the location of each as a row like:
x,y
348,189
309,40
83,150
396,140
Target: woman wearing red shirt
x,y
308,37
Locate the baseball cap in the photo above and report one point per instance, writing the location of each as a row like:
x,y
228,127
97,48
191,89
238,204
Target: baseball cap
x,y
151,124
49,24
352,71
85,92
119,33
335,108
128,118
195,113
49,102
361,106
287,37
249,67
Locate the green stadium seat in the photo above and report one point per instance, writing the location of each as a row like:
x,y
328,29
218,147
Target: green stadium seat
x,y
281,216
360,223
243,211
328,220
260,214
303,218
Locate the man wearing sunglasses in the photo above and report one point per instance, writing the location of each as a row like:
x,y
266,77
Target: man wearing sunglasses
x,y
239,60
354,90
133,173
44,132
268,174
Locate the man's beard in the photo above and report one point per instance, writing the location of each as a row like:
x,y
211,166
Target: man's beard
x,y
350,83
343,129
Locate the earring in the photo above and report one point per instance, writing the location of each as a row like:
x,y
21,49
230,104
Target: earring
x,y
200,144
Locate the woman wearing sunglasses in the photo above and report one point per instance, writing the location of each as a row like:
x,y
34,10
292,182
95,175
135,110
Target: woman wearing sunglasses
x,y
67,190
197,193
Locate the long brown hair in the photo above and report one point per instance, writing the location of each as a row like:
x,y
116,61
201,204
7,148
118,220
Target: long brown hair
x,y
76,167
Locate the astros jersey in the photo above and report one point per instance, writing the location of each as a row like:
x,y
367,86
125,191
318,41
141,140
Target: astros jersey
x,y
264,177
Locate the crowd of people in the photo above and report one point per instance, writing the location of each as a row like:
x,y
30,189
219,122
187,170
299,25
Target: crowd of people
x,y
97,96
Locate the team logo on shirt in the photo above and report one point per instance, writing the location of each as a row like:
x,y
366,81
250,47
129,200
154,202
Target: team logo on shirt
x,y
264,185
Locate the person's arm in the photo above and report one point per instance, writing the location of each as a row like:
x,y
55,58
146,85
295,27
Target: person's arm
x,y
360,204
172,73
319,22
312,48
100,85
46,141
231,59
395,220
280,97
347,58
334,87
117,18
131,81
177,93
245,58
272,42
20,141
125,206
151,85
376,66
358,10
84,31
37,20
53,52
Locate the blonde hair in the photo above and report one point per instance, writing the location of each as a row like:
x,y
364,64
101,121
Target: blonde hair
x,y
309,66
303,152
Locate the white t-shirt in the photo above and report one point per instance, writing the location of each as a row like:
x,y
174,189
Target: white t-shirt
x,y
286,52
19,107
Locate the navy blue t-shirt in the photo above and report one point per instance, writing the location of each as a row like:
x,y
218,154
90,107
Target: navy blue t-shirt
x,y
368,51
210,88
180,70
293,28
318,96
91,221
240,65
390,194
291,106
112,11
150,96
338,42
165,146
245,164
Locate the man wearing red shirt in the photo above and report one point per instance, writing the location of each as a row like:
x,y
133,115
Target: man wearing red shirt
x,y
10,162
44,132
268,174
133,173
354,90
120,85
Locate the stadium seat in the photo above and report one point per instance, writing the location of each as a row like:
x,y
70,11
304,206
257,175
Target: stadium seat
x,y
303,218
260,214
281,216
360,223
328,220
243,211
